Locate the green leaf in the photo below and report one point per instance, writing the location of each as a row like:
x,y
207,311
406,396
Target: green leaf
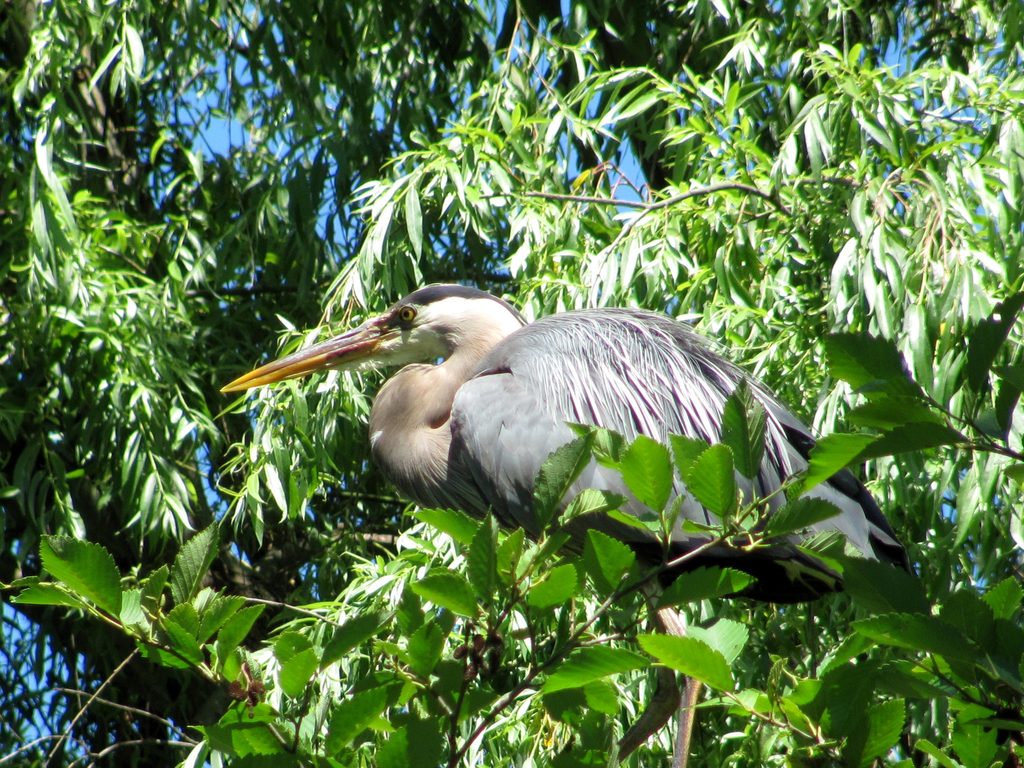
x,y
353,715
180,626
984,342
692,657
832,454
153,588
1005,598
685,451
589,664
448,589
871,365
726,636
646,468
883,726
930,749
509,553
918,632
417,744
912,437
482,560
743,430
883,588
424,648
894,411
711,479
192,563
975,745
704,584
85,567
456,524
47,594
235,630
353,632
602,696
559,585
591,501
606,560
295,673
799,514
556,475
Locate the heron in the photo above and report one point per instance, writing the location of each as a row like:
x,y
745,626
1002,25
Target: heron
x,y
483,397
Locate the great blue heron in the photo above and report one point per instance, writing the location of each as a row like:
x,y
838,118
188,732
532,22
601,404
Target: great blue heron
x,y
471,431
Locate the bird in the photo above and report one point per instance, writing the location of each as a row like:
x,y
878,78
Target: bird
x,y
482,397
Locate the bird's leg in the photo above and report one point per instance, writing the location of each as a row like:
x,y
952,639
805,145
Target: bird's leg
x,y
666,700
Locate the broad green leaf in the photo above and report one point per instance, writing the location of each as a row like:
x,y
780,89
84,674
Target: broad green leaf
x,y
704,584
832,454
912,437
244,739
213,616
509,552
456,524
192,563
356,630
296,672
711,480
425,647
930,749
799,514
289,644
883,726
985,340
647,469
180,626
482,560
85,567
871,365
894,411
235,630
692,657
743,430
685,451
586,665
448,589
556,475
726,636
606,560
559,585
47,594
415,744
591,501
918,632
1005,598
602,696
975,745
353,715
882,588
153,588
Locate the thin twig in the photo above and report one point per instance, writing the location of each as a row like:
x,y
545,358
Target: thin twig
x,y
122,707
81,712
296,609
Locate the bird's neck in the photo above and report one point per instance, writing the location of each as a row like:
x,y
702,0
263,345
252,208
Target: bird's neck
x,y
410,431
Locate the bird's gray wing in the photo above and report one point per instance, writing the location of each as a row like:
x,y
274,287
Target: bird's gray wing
x,y
635,373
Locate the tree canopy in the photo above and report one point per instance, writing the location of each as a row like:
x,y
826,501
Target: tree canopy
x,y
832,192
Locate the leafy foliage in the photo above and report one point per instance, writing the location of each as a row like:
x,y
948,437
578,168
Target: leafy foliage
x,y
833,193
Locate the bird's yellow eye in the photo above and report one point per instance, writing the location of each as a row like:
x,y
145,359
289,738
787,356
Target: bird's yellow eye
x,y
407,314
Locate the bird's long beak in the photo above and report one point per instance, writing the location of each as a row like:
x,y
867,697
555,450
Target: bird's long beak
x,y
344,351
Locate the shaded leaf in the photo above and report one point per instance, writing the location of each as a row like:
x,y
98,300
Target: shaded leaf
x,y
799,514
482,560
743,430
832,454
871,365
353,632
984,341
556,475
704,584
606,560
589,664
353,715
456,524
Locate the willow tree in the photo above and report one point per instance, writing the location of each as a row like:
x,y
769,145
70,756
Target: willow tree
x,y
834,194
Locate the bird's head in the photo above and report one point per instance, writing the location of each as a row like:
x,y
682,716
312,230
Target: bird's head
x,y
431,323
